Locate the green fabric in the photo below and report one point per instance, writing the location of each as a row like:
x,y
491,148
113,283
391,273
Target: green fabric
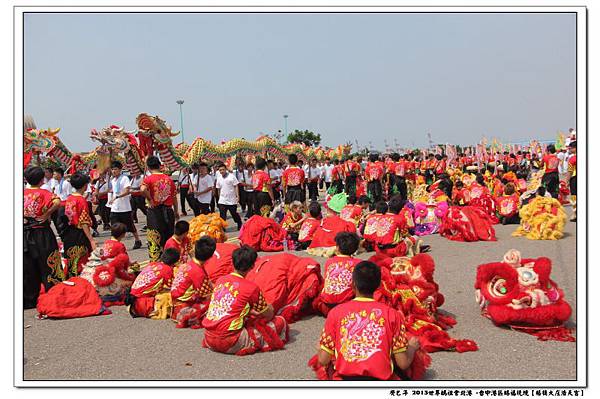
x,y
338,202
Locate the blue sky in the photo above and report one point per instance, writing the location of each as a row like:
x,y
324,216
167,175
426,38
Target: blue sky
x,y
371,77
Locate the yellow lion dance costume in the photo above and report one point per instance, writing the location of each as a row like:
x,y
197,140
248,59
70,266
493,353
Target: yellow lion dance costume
x,y
542,219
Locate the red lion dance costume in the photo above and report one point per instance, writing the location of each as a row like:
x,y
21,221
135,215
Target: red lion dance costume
x,y
520,294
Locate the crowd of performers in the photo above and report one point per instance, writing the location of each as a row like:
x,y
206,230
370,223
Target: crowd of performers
x,y
375,327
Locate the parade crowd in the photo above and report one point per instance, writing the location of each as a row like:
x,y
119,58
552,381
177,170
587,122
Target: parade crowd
x,y
382,203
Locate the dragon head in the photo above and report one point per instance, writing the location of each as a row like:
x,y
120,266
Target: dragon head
x,y
39,140
155,128
113,136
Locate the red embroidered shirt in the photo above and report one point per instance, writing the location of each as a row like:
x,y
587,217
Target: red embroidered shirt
x,y
182,246
551,162
153,279
351,213
190,283
374,171
36,201
77,211
308,228
232,299
337,287
363,335
161,188
261,181
112,248
325,233
293,176
220,264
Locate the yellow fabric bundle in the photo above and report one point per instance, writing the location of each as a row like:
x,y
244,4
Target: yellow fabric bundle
x,y
542,219
207,225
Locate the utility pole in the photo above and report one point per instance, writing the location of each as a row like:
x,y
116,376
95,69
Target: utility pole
x,y
180,102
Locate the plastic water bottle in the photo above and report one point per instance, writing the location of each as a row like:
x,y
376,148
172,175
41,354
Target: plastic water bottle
x,y
285,244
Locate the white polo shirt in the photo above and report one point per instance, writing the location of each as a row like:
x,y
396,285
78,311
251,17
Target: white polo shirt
x,y
201,184
118,186
228,187
61,188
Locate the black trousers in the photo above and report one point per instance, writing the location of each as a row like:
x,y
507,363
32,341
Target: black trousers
x,y
77,248
551,182
138,202
327,185
161,226
374,190
573,185
243,198
184,195
313,191
250,203
41,261
351,185
104,212
232,210
262,200
202,208
339,186
294,193
91,212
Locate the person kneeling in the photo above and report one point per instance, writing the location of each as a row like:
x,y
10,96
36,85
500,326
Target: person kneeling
x,y
150,294
364,339
239,320
191,287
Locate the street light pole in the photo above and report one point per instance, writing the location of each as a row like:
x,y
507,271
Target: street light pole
x,y
180,102
285,119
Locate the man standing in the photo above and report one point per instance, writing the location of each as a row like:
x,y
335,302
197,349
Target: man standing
x,y
275,176
572,170
314,175
202,187
101,192
161,196
229,195
62,189
249,192
184,187
293,181
120,201
327,172
550,179
263,193
137,199
240,170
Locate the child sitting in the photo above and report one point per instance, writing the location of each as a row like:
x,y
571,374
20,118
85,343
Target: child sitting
x,y
352,212
379,345
338,274
507,205
191,289
179,240
292,221
113,246
239,320
323,243
309,226
150,294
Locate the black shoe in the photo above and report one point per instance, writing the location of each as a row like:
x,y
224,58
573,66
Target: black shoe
x,y
137,245
95,233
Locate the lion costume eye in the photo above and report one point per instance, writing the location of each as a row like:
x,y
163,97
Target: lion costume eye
x,y
497,287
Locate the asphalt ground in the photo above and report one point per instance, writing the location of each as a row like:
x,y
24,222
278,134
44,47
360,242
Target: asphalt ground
x,y
118,347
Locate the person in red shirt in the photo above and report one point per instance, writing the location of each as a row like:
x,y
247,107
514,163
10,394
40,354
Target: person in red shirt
x,y
261,182
41,258
239,320
113,246
323,242
293,182
352,212
374,177
351,172
398,175
309,226
363,338
191,288
77,236
292,222
460,194
572,170
507,205
550,180
150,294
180,241
338,274
337,177
161,195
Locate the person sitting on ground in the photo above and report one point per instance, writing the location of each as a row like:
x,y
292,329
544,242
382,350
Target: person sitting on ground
x,y
323,243
365,204
460,195
150,294
191,288
309,226
239,320
114,245
338,274
292,221
379,345
507,205
179,240
352,212
372,223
